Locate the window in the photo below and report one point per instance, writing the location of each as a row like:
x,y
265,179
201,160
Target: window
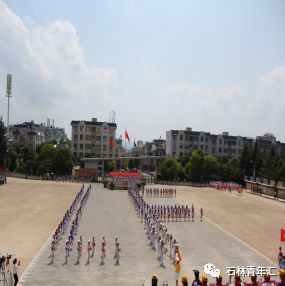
x,y
81,146
81,137
202,139
206,147
98,138
104,147
181,137
213,150
75,137
220,150
75,145
213,141
220,141
173,154
225,150
181,154
181,146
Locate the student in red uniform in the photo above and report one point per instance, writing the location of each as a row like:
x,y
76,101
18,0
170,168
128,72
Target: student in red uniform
x,y
93,246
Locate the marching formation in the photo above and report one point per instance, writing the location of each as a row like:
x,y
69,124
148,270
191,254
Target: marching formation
x,y
82,199
230,186
160,240
74,227
61,228
162,193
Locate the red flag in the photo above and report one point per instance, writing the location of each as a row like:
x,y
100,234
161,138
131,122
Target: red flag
x,y
112,143
283,235
127,136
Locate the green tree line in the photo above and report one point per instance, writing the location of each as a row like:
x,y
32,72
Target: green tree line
x,y
199,167
46,158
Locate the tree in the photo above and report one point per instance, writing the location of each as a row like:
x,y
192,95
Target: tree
x,y
195,168
211,168
109,166
246,162
170,169
46,158
63,162
270,165
3,143
281,172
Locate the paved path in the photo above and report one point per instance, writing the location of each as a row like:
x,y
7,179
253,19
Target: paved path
x,y
111,213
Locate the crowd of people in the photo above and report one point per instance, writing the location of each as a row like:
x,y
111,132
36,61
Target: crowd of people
x,y
160,239
237,281
165,213
8,273
230,186
156,192
81,199
74,179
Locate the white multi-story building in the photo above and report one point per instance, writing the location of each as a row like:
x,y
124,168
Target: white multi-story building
x,y
180,143
93,138
35,134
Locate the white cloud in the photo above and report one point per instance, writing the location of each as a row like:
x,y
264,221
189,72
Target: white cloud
x,y
51,78
50,75
150,72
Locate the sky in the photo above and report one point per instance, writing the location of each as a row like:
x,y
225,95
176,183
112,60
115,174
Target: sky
x,y
211,65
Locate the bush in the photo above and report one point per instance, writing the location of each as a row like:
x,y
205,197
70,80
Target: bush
x,y
112,186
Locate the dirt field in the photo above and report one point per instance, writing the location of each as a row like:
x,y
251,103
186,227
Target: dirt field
x,y
253,219
29,212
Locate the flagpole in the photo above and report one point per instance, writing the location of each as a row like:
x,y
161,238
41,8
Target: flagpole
x,y
125,149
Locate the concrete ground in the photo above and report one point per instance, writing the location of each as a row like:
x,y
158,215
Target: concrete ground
x,y
238,231
253,219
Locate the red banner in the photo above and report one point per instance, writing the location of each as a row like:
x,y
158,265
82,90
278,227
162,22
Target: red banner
x,y
124,174
85,172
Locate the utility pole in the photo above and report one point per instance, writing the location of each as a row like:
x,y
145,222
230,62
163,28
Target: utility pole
x,y
8,94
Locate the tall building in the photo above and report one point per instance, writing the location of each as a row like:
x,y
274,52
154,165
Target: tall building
x,y
93,138
268,141
35,134
180,143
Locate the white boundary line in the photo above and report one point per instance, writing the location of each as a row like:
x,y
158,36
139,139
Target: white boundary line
x,y
237,239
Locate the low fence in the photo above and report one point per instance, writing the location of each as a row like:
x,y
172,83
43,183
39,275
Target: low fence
x,y
265,189
186,184
23,176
